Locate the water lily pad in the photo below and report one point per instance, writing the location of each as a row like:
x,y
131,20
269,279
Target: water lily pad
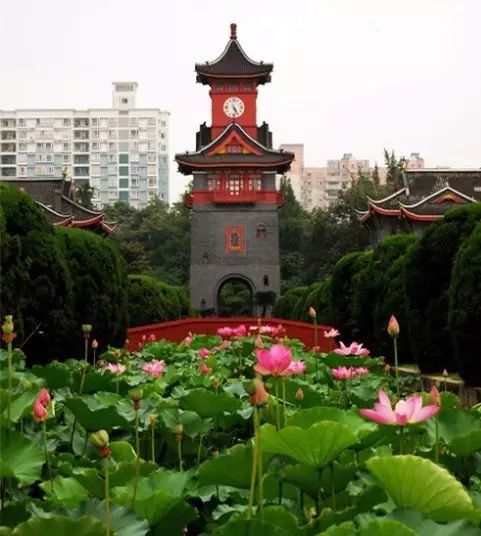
x,y
315,446
414,482
57,525
67,491
208,404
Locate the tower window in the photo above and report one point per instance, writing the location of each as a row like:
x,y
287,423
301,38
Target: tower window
x,y
233,148
266,280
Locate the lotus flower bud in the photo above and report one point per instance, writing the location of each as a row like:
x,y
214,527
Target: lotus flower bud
x,y
136,396
100,438
259,343
387,368
39,413
44,397
178,430
215,383
435,396
117,354
299,395
7,326
445,373
95,344
393,327
249,387
259,396
86,328
152,420
312,312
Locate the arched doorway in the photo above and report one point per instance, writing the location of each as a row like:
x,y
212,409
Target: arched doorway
x,y
235,297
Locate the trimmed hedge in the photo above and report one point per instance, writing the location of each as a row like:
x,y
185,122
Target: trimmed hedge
x,y
317,296
152,301
36,286
100,288
465,308
343,280
285,304
428,275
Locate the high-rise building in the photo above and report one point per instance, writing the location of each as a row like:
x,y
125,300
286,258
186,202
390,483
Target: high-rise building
x,y
296,173
122,152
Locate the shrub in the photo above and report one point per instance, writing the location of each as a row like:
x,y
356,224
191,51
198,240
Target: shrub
x,y
36,286
428,274
152,301
342,291
465,308
317,296
100,284
284,306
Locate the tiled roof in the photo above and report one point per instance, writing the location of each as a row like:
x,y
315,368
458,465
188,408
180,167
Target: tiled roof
x,y
233,63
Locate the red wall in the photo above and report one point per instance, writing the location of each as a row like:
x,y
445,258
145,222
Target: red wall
x,y
177,330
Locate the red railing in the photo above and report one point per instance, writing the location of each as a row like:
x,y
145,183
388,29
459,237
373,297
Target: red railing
x,y
226,197
177,330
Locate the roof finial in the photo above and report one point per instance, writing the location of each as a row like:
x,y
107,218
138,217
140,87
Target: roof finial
x,y
233,30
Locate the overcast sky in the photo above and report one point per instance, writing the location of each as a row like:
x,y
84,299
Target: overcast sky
x,y
349,75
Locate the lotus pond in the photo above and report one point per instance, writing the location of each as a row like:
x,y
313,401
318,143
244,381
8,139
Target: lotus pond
x,y
233,435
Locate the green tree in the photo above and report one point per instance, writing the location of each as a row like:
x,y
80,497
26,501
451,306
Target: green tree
x,y
84,194
394,177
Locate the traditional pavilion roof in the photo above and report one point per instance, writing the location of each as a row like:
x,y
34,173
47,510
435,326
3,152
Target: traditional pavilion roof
x,y
252,154
54,197
233,63
427,194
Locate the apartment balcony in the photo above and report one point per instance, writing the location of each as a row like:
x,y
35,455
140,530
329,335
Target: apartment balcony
x,y
7,135
81,123
81,159
8,148
8,160
81,135
81,147
9,172
81,171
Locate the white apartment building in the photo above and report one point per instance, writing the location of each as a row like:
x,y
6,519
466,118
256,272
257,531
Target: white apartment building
x,y
123,151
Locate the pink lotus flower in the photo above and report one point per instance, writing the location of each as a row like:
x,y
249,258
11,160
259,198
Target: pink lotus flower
x,y
410,411
342,373
240,331
188,340
204,369
155,368
225,332
116,369
204,353
43,397
95,344
354,349
274,362
435,396
39,413
259,396
152,337
296,367
224,345
331,334
360,371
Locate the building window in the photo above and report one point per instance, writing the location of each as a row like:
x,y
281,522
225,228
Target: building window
x,y
123,158
265,280
261,231
123,195
234,239
125,101
124,171
123,183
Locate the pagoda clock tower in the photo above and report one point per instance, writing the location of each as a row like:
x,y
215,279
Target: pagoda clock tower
x,y
234,199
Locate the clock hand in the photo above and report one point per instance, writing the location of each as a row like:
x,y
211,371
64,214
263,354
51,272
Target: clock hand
x,y
234,108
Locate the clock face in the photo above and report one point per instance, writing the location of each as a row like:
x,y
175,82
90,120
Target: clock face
x,y
233,107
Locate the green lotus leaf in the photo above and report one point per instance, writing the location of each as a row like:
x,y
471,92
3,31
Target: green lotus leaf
x,y
105,410
20,457
174,521
191,422
122,451
316,446
344,529
58,525
68,491
233,468
386,527
454,424
466,444
280,517
208,404
22,405
56,375
414,482
241,527
426,527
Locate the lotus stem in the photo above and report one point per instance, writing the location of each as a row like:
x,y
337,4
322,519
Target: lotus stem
x,y
107,497
84,372
199,449
283,383
152,442
401,440
260,485
10,383
396,369
436,444
280,492
95,355
179,454
333,489
45,446
278,408
137,460
254,469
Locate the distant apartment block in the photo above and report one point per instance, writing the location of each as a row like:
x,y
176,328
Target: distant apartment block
x,y
122,152
319,187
